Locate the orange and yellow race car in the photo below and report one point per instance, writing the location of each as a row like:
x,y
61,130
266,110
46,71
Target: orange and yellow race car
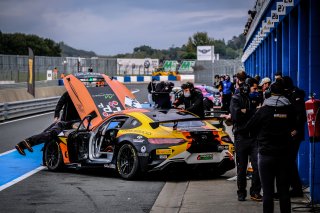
x,y
134,141
140,140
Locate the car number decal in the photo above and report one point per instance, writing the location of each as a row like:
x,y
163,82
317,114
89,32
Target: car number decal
x,y
205,157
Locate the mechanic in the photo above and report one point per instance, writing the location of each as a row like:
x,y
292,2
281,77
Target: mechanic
x,y
69,111
227,91
243,106
162,95
192,100
274,123
47,135
296,97
151,90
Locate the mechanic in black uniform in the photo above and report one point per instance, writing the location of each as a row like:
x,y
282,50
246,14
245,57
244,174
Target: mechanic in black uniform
x,y
47,135
69,111
274,123
192,99
242,107
69,116
296,97
162,95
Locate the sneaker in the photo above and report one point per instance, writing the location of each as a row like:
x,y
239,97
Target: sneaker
x,y
256,197
20,150
27,145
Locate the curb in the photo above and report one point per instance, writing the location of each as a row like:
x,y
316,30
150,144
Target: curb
x,y
170,198
141,78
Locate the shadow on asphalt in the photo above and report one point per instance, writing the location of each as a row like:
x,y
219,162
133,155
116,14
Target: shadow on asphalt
x,y
171,174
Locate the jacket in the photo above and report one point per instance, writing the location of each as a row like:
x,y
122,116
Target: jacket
x,y
241,109
272,124
69,111
193,104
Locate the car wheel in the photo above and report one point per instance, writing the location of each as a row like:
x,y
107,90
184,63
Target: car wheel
x,y
53,156
127,162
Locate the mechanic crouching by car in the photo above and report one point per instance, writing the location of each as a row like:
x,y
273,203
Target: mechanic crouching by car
x,y
274,124
192,100
47,135
242,108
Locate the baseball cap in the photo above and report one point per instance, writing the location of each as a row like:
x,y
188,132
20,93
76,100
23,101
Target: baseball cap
x,y
265,80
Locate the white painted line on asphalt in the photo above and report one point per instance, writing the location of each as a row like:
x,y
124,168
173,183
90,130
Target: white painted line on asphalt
x,y
20,119
17,180
7,152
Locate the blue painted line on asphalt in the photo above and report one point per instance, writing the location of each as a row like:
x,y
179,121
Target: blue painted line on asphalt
x,y
13,165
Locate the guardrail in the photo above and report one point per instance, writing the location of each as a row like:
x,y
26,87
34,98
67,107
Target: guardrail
x,y
22,108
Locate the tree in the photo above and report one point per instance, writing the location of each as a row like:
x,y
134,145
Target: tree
x,y
18,43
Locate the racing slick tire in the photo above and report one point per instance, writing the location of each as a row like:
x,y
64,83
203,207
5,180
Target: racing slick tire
x,y
127,162
53,156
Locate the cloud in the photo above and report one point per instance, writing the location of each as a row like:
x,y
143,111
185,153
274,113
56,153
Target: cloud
x,y
111,27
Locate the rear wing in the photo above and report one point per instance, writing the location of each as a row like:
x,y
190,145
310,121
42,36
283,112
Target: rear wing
x,y
210,115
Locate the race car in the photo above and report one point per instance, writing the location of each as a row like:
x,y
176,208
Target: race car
x,y
140,140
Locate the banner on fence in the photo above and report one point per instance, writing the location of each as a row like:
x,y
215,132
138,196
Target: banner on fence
x,y
31,73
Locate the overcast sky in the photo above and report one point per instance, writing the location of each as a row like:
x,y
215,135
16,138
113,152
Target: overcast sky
x,y
109,27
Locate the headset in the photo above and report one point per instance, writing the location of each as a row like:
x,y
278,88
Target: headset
x,y
188,85
245,87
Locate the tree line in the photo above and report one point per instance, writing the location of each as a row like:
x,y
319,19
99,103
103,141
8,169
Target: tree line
x,y
18,43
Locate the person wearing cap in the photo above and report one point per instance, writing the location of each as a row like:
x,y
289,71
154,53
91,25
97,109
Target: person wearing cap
x,y
192,99
265,84
273,124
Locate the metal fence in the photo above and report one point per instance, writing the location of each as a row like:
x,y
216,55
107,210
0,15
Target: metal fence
x,y
15,67
204,71
22,108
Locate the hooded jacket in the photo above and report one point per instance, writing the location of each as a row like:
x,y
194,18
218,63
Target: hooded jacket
x,y
273,124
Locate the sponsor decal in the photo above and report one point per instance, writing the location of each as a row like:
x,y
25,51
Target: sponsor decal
x,y
139,139
136,131
223,147
129,102
109,165
143,154
280,115
110,108
143,149
163,151
106,96
163,156
205,157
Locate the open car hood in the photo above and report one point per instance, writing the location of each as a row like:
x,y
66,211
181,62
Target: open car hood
x,y
99,93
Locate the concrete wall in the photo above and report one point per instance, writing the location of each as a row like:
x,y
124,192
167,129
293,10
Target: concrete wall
x,y
20,94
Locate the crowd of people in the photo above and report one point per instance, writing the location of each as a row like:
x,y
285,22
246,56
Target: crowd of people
x,y
268,121
268,126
